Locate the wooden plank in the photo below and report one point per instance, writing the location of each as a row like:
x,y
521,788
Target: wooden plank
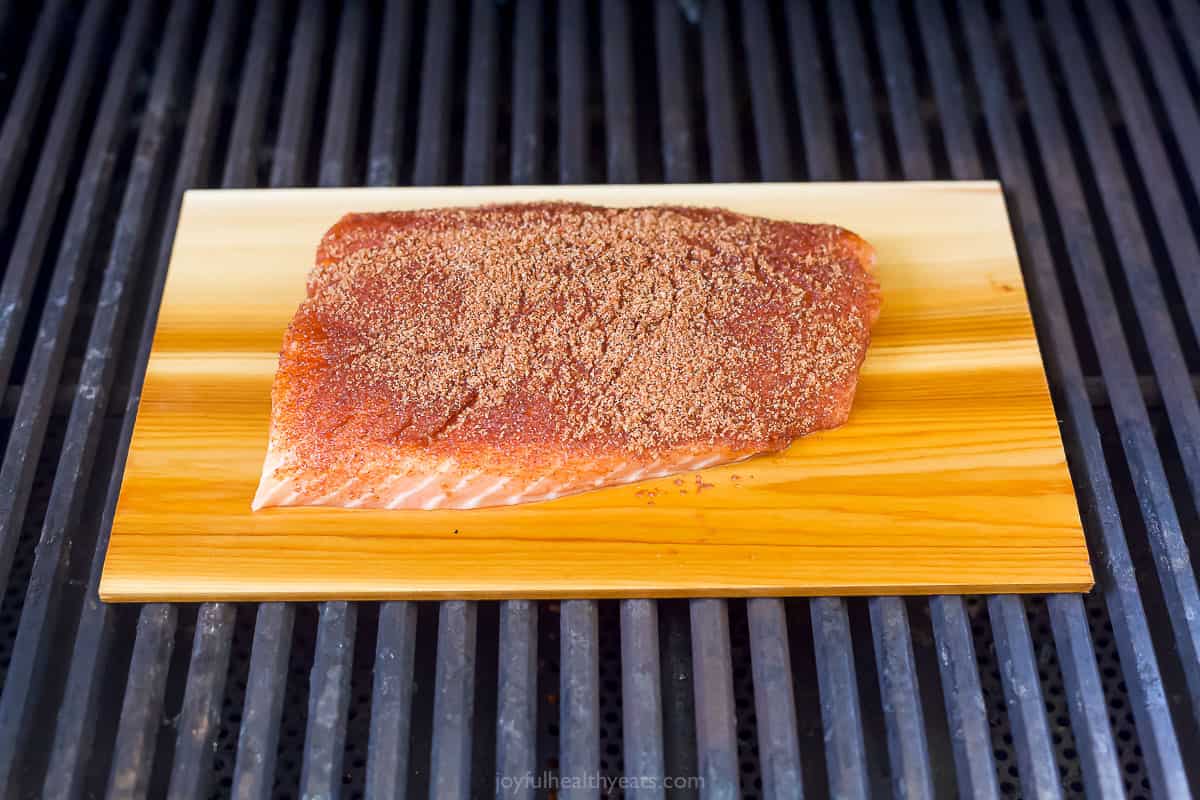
x,y
949,477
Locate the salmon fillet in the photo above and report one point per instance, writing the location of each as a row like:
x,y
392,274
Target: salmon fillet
x,y
460,358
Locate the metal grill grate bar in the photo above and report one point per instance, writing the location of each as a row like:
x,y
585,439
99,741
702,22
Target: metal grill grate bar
x,y
721,117
915,160
773,159
387,130
241,162
812,94
516,703
337,146
329,700
641,697
433,127
1022,690
479,137
453,702
1187,18
857,93
137,736
841,712
391,708
579,697
679,715
258,740
1089,716
572,55
619,112
199,719
907,745
296,120
944,73
675,111
716,737
528,94
965,709
774,698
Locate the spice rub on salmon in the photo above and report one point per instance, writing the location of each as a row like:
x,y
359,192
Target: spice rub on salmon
x,y
467,357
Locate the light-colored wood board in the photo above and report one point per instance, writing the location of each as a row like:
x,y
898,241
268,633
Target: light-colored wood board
x,y
949,477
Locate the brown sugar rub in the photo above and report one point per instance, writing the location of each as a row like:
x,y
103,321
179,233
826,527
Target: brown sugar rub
x,y
558,347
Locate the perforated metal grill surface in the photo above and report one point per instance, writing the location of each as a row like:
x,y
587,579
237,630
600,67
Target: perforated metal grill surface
x,y
1087,112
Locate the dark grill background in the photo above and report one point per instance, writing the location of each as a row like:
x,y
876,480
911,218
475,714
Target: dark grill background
x,y
1086,111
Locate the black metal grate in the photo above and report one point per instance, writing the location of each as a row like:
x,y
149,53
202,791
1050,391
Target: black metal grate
x,y
1088,112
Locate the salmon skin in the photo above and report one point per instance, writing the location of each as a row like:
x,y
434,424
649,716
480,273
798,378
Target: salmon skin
x,y
471,357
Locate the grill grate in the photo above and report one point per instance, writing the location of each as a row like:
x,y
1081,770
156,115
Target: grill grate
x,y
1087,112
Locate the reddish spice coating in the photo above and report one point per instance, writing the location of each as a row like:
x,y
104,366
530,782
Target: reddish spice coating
x,y
525,332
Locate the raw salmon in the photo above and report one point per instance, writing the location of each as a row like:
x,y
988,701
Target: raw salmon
x,y
459,358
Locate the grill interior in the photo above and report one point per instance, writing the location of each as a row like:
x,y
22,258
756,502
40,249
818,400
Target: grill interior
x,y
1088,114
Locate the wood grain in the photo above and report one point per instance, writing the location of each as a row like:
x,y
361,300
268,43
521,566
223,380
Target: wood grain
x,y
949,477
